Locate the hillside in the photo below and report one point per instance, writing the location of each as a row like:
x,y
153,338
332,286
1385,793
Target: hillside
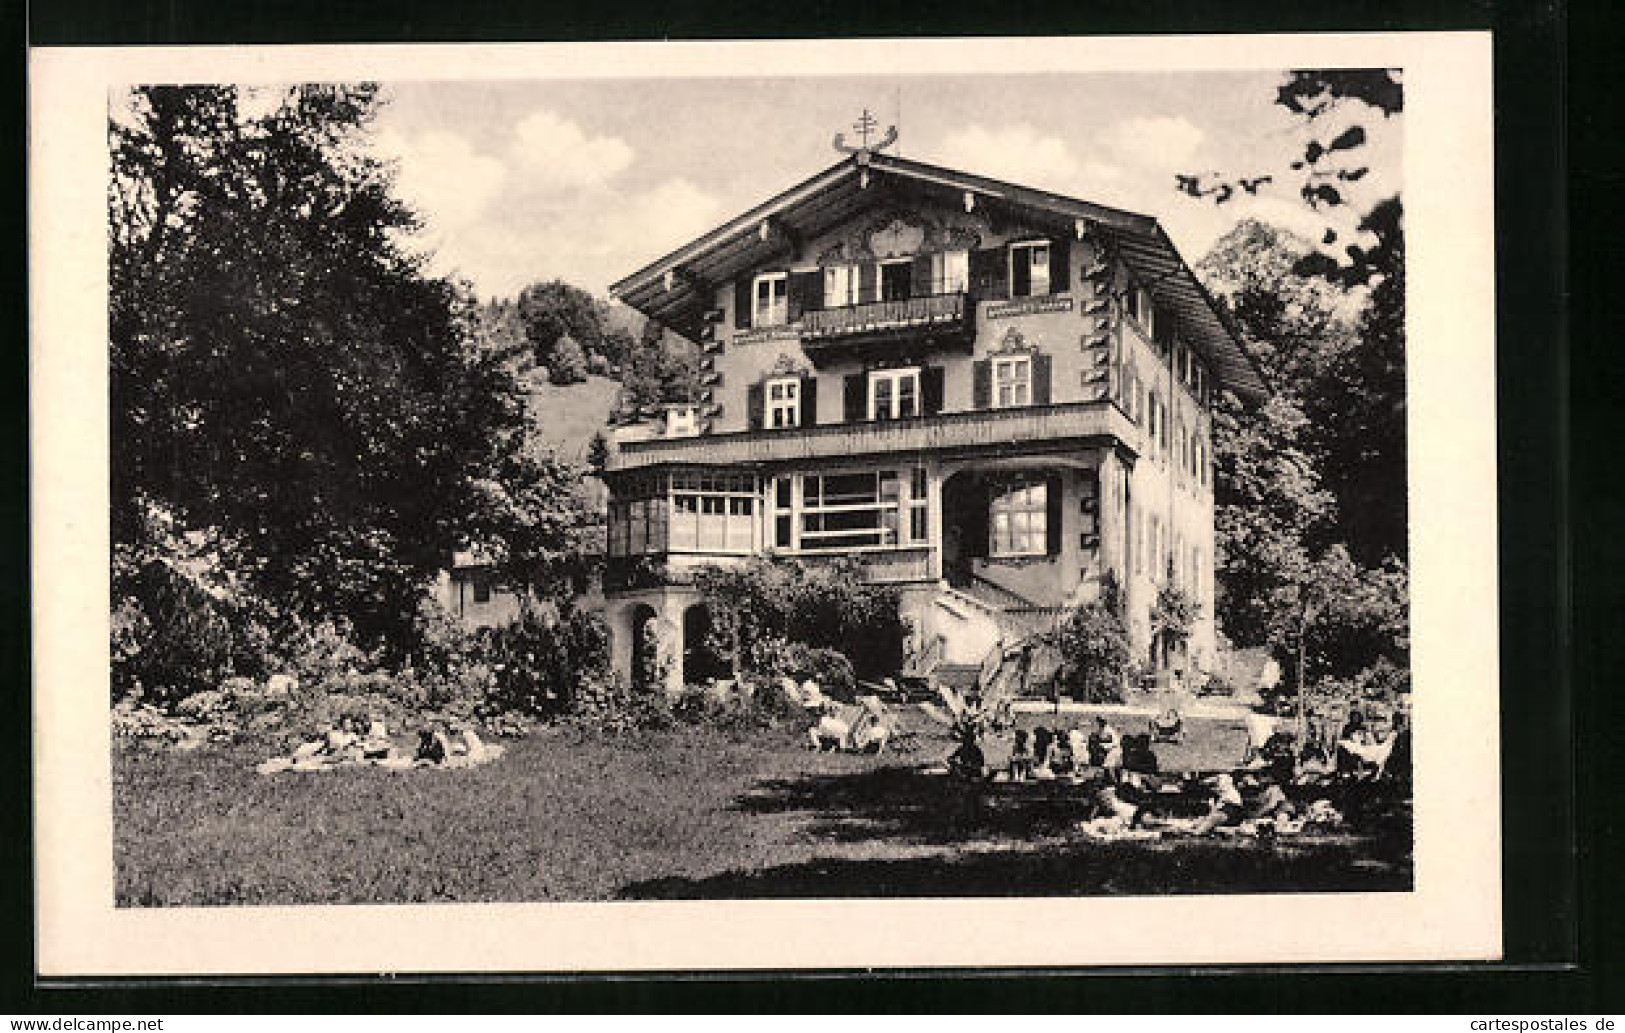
x,y
567,417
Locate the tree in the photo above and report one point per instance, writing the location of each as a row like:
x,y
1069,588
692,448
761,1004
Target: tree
x,y
1271,509
598,453
555,309
285,379
659,369
567,364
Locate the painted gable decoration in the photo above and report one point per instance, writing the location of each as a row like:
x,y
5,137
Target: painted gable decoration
x,y
896,239
898,232
785,366
1012,343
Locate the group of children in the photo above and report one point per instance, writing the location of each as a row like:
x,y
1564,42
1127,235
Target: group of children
x,y
1060,753
354,740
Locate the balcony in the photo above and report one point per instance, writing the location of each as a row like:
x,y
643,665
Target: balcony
x,y
1028,428
946,317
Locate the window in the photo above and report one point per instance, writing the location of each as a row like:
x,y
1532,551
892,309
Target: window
x,y
894,394
1019,520
482,588
849,510
1029,269
1012,381
840,286
784,402
713,512
782,512
772,304
950,272
918,494
681,423
895,279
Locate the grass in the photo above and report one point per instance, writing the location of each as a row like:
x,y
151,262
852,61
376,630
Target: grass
x,y
688,813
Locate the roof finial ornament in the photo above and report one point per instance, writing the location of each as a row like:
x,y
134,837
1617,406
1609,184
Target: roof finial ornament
x,y
865,125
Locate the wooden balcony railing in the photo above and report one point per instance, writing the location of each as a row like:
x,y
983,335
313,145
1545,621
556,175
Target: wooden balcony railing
x,y
938,311
945,432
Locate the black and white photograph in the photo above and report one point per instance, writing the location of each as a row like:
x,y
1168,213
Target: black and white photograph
x,y
866,486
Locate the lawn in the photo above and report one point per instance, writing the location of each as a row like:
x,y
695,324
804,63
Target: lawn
x,y
683,814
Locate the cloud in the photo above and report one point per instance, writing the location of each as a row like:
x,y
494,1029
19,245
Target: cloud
x,y
1018,153
556,152
443,178
1163,142
656,221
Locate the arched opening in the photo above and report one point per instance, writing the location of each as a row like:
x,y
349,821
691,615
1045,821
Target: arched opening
x,y
643,634
700,661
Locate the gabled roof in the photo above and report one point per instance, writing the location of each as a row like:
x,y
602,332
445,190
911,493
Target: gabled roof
x,y
676,289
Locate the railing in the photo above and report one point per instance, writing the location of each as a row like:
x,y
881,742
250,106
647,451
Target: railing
x,y
937,310
908,563
943,432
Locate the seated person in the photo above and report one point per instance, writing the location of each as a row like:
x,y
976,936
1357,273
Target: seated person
x,y
1043,752
1021,758
1279,755
1112,814
1138,755
1225,810
1168,726
1105,746
433,747
1078,742
1061,760
968,761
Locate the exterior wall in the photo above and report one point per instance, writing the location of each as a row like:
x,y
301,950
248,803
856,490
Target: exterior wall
x,y
455,591
1093,345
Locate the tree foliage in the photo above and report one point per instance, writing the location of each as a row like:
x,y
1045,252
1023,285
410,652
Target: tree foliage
x,y
1093,643
285,378
553,310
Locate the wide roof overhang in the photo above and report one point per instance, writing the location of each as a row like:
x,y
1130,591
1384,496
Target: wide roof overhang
x,y
675,290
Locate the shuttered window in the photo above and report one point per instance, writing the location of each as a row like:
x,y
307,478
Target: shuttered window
x,y
1029,269
1012,381
894,394
771,304
784,402
1018,522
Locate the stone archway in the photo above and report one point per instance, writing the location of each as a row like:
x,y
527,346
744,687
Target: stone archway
x,y
700,661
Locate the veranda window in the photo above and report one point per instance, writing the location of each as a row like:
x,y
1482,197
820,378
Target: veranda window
x,y
849,510
1019,519
950,272
713,512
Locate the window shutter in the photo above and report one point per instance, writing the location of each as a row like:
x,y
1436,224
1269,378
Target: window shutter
x,y
982,384
1043,366
920,283
857,397
806,293
742,303
868,283
990,272
1060,265
1052,515
809,401
931,389
756,406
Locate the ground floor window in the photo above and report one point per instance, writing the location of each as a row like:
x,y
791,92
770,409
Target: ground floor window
x,y
713,512
688,512
1018,523
850,510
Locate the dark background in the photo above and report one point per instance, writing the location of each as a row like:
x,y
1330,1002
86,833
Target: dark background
x,y
1560,816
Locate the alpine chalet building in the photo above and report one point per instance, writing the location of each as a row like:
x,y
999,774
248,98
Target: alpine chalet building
x,y
992,396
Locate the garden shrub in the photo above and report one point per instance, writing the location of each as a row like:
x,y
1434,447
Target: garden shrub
x,y
772,658
170,637
828,605
539,662
1094,646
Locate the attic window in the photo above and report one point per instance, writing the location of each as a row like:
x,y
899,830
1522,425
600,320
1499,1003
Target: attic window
x,y
1029,269
771,305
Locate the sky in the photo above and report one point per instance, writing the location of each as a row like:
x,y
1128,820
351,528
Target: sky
x,y
588,181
